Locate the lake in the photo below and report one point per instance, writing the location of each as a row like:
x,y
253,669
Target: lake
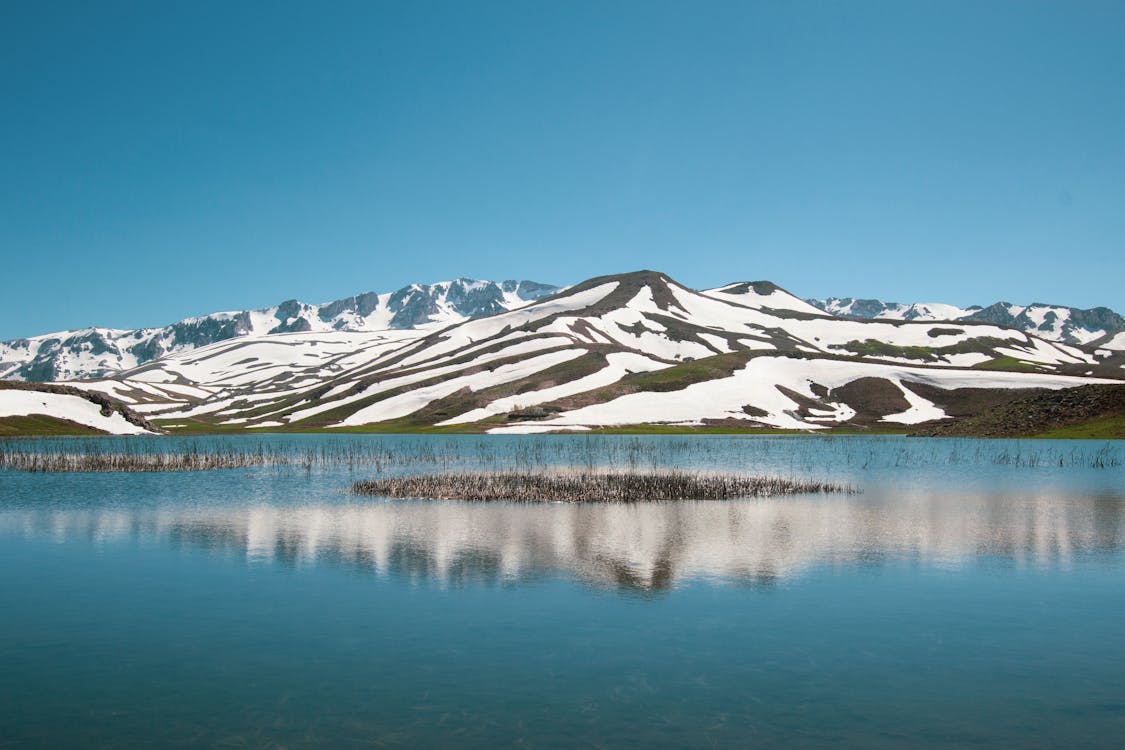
x,y
971,595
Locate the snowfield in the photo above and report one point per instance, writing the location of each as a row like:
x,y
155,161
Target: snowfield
x,y
744,293
756,386
411,401
18,403
619,366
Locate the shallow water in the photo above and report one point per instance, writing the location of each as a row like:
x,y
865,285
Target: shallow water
x,y
972,595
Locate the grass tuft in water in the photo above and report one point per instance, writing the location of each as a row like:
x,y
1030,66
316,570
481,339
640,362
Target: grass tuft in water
x,y
589,487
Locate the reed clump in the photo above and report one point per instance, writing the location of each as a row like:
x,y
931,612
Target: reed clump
x,y
383,456
589,487
128,462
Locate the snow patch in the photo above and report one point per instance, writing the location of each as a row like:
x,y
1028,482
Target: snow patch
x,y
19,403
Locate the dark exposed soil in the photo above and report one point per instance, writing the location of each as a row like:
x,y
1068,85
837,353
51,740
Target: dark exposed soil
x,y
872,398
1036,413
966,402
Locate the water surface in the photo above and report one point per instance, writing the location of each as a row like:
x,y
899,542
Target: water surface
x,y
972,595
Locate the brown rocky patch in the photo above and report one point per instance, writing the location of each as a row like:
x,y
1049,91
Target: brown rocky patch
x,y
872,398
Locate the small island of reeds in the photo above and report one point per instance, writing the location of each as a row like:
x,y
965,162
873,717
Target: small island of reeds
x,y
589,487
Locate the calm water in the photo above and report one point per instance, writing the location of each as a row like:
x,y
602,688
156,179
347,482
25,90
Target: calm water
x,y
972,596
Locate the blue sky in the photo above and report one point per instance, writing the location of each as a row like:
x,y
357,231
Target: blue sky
x,y
159,160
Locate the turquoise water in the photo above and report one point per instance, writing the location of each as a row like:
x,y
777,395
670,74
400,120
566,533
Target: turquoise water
x,y
971,596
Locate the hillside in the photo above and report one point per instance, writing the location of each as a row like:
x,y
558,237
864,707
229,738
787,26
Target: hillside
x,y
1086,411
50,409
101,352
612,351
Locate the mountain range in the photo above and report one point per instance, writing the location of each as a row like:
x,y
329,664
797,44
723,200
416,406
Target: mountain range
x,y
1093,327
98,352
610,352
101,352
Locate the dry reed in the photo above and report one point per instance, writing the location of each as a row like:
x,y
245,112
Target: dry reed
x,y
129,462
590,487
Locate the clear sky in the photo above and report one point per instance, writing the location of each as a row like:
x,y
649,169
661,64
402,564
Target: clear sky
x,y
164,159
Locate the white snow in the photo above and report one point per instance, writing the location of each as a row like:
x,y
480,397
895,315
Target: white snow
x,y
920,409
1117,343
1084,336
924,311
657,344
1039,351
756,344
251,366
76,357
482,328
619,365
429,373
407,403
756,385
1061,327
15,403
718,342
777,300
968,359
336,390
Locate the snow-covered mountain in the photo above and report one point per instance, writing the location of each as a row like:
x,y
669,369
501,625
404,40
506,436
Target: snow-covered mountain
x,y
614,350
102,352
1098,326
98,352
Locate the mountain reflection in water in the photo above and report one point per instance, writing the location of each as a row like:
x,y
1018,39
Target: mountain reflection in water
x,y
640,546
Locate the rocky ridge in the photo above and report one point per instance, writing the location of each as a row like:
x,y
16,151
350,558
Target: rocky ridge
x,y
1093,327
